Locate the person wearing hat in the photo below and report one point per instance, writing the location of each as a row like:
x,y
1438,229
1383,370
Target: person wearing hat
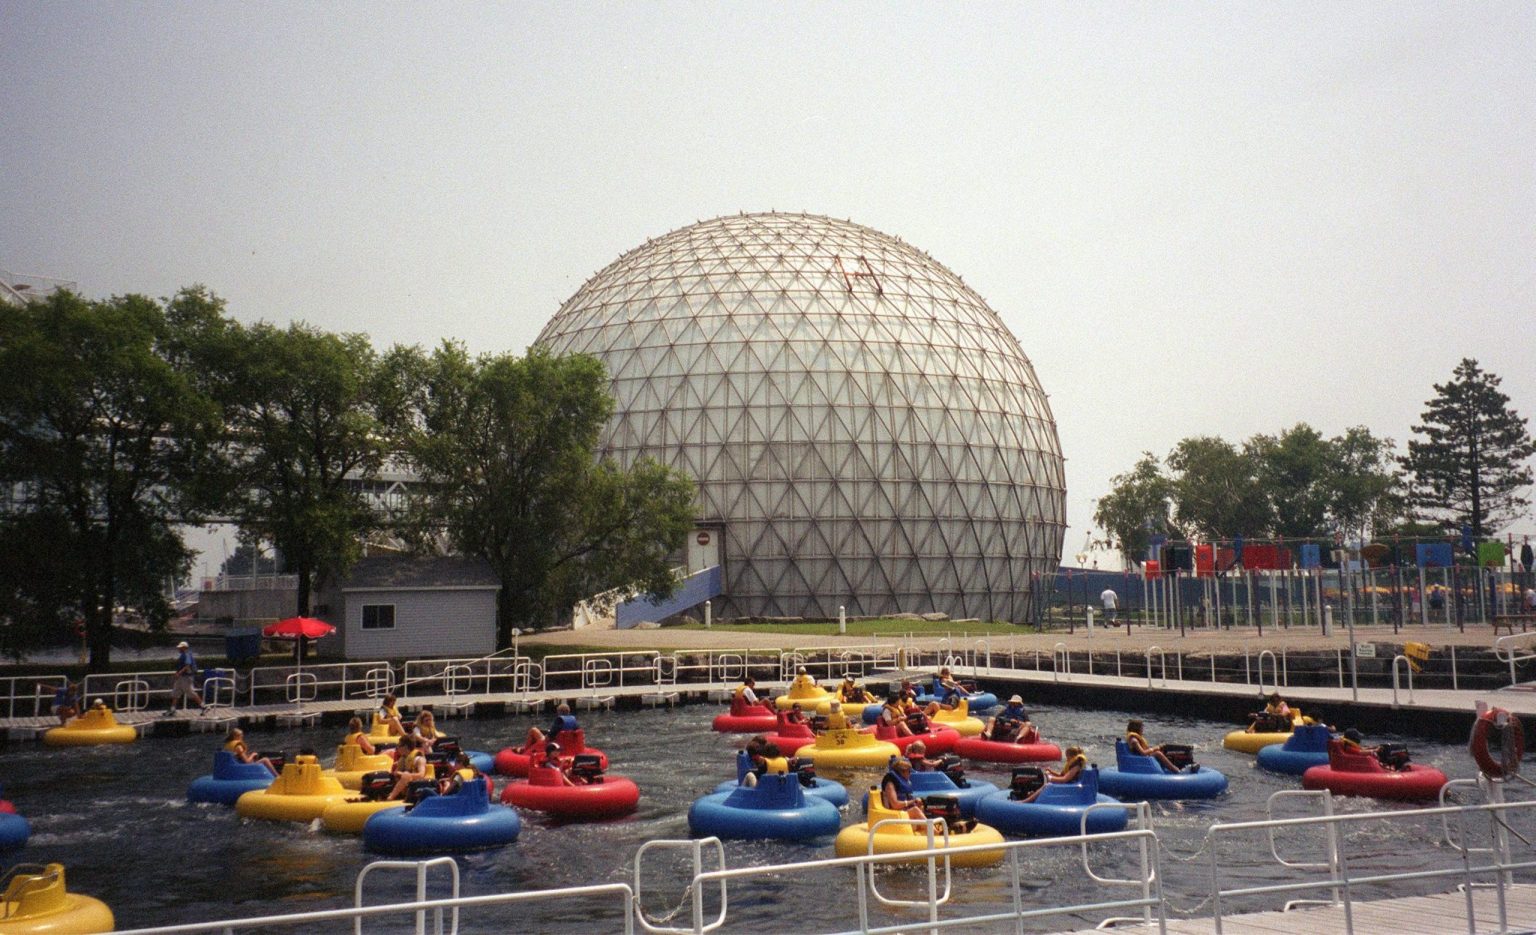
x,y
850,692
1005,725
1351,740
181,683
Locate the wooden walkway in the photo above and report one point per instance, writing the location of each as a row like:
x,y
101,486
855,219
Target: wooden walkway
x,y
1441,914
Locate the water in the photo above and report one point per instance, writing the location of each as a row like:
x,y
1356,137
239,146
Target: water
x,y
117,818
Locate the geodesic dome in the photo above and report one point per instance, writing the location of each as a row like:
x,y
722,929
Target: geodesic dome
x,y
864,431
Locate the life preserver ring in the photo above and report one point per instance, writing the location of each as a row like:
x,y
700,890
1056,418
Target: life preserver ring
x,y
1511,743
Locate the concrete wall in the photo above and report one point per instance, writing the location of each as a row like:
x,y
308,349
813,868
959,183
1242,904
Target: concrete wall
x,y
247,608
428,623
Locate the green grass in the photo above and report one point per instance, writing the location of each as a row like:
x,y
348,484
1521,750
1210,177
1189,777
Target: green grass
x,y
881,628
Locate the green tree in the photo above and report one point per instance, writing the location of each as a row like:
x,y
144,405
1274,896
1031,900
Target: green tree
x,y
1295,470
305,432
506,448
107,433
1366,492
1216,489
1138,504
1468,462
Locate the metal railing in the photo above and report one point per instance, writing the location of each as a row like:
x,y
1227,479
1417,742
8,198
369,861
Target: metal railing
x,y
30,695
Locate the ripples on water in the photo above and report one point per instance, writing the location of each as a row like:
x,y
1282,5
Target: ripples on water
x,y
117,818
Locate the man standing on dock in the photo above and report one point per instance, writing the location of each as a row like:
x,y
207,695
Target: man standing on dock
x,y
1111,602
181,685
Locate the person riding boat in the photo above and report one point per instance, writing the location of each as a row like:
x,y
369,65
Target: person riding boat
x,y
388,718
235,744
893,714
918,715
1005,725
1074,761
1139,746
425,731
745,696
896,791
410,766
357,738
836,719
1275,718
767,760
849,691
794,715
917,753
947,691
564,721
803,682
463,771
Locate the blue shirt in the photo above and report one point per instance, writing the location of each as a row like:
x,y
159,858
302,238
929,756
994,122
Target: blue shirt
x,y
186,663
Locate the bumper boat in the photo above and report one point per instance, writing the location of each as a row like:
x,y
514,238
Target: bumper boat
x,y
996,751
746,719
513,762
1057,812
1137,777
812,698
886,832
349,816
300,793
777,808
810,783
461,821
937,739
978,701
352,764
1306,747
948,780
848,748
229,780
789,736
1351,773
14,831
95,726
1244,741
960,719
36,900
594,794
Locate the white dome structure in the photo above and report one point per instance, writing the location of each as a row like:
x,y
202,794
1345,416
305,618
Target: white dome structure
x,y
863,430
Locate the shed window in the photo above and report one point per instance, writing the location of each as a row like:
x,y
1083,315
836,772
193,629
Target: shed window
x,y
378,616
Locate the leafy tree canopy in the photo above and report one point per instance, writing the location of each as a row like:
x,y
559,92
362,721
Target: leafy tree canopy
x,y
506,447
108,430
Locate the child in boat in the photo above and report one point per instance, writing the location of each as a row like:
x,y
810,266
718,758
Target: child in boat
x,y
767,759
850,692
1139,746
235,744
894,715
388,717
1073,763
410,766
947,691
425,731
1275,718
357,738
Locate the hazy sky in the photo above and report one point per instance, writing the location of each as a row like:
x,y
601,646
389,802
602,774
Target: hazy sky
x,y
1198,219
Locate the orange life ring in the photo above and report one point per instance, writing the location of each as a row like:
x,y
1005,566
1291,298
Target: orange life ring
x,y
1511,744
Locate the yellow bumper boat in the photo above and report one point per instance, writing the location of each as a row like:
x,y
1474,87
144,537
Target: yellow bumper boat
x,y
348,817
301,793
352,764
37,901
848,748
95,726
1253,741
960,719
804,691
899,836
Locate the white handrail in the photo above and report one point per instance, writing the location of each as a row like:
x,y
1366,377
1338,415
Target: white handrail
x,y
1406,665
1066,662
1162,658
1274,669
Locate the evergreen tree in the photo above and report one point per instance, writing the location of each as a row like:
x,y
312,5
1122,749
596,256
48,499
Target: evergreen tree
x,y
1468,463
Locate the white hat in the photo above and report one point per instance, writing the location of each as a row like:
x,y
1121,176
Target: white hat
x,y
1016,700
182,645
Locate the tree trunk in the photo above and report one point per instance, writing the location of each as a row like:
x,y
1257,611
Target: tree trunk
x,y
503,618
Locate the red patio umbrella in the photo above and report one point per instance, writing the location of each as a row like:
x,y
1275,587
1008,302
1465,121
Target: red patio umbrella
x,y
298,629
294,627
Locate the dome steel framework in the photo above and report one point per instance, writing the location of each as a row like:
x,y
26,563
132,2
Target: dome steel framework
x,y
863,429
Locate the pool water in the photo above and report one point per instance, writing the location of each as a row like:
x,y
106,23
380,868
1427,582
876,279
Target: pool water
x,y
117,818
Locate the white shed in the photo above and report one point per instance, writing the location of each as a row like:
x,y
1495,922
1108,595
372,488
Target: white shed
x,y
394,607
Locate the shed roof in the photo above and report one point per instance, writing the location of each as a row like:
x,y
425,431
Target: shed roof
x,y
437,572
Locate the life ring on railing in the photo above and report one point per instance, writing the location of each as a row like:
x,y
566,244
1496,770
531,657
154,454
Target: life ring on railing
x,y
1511,743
